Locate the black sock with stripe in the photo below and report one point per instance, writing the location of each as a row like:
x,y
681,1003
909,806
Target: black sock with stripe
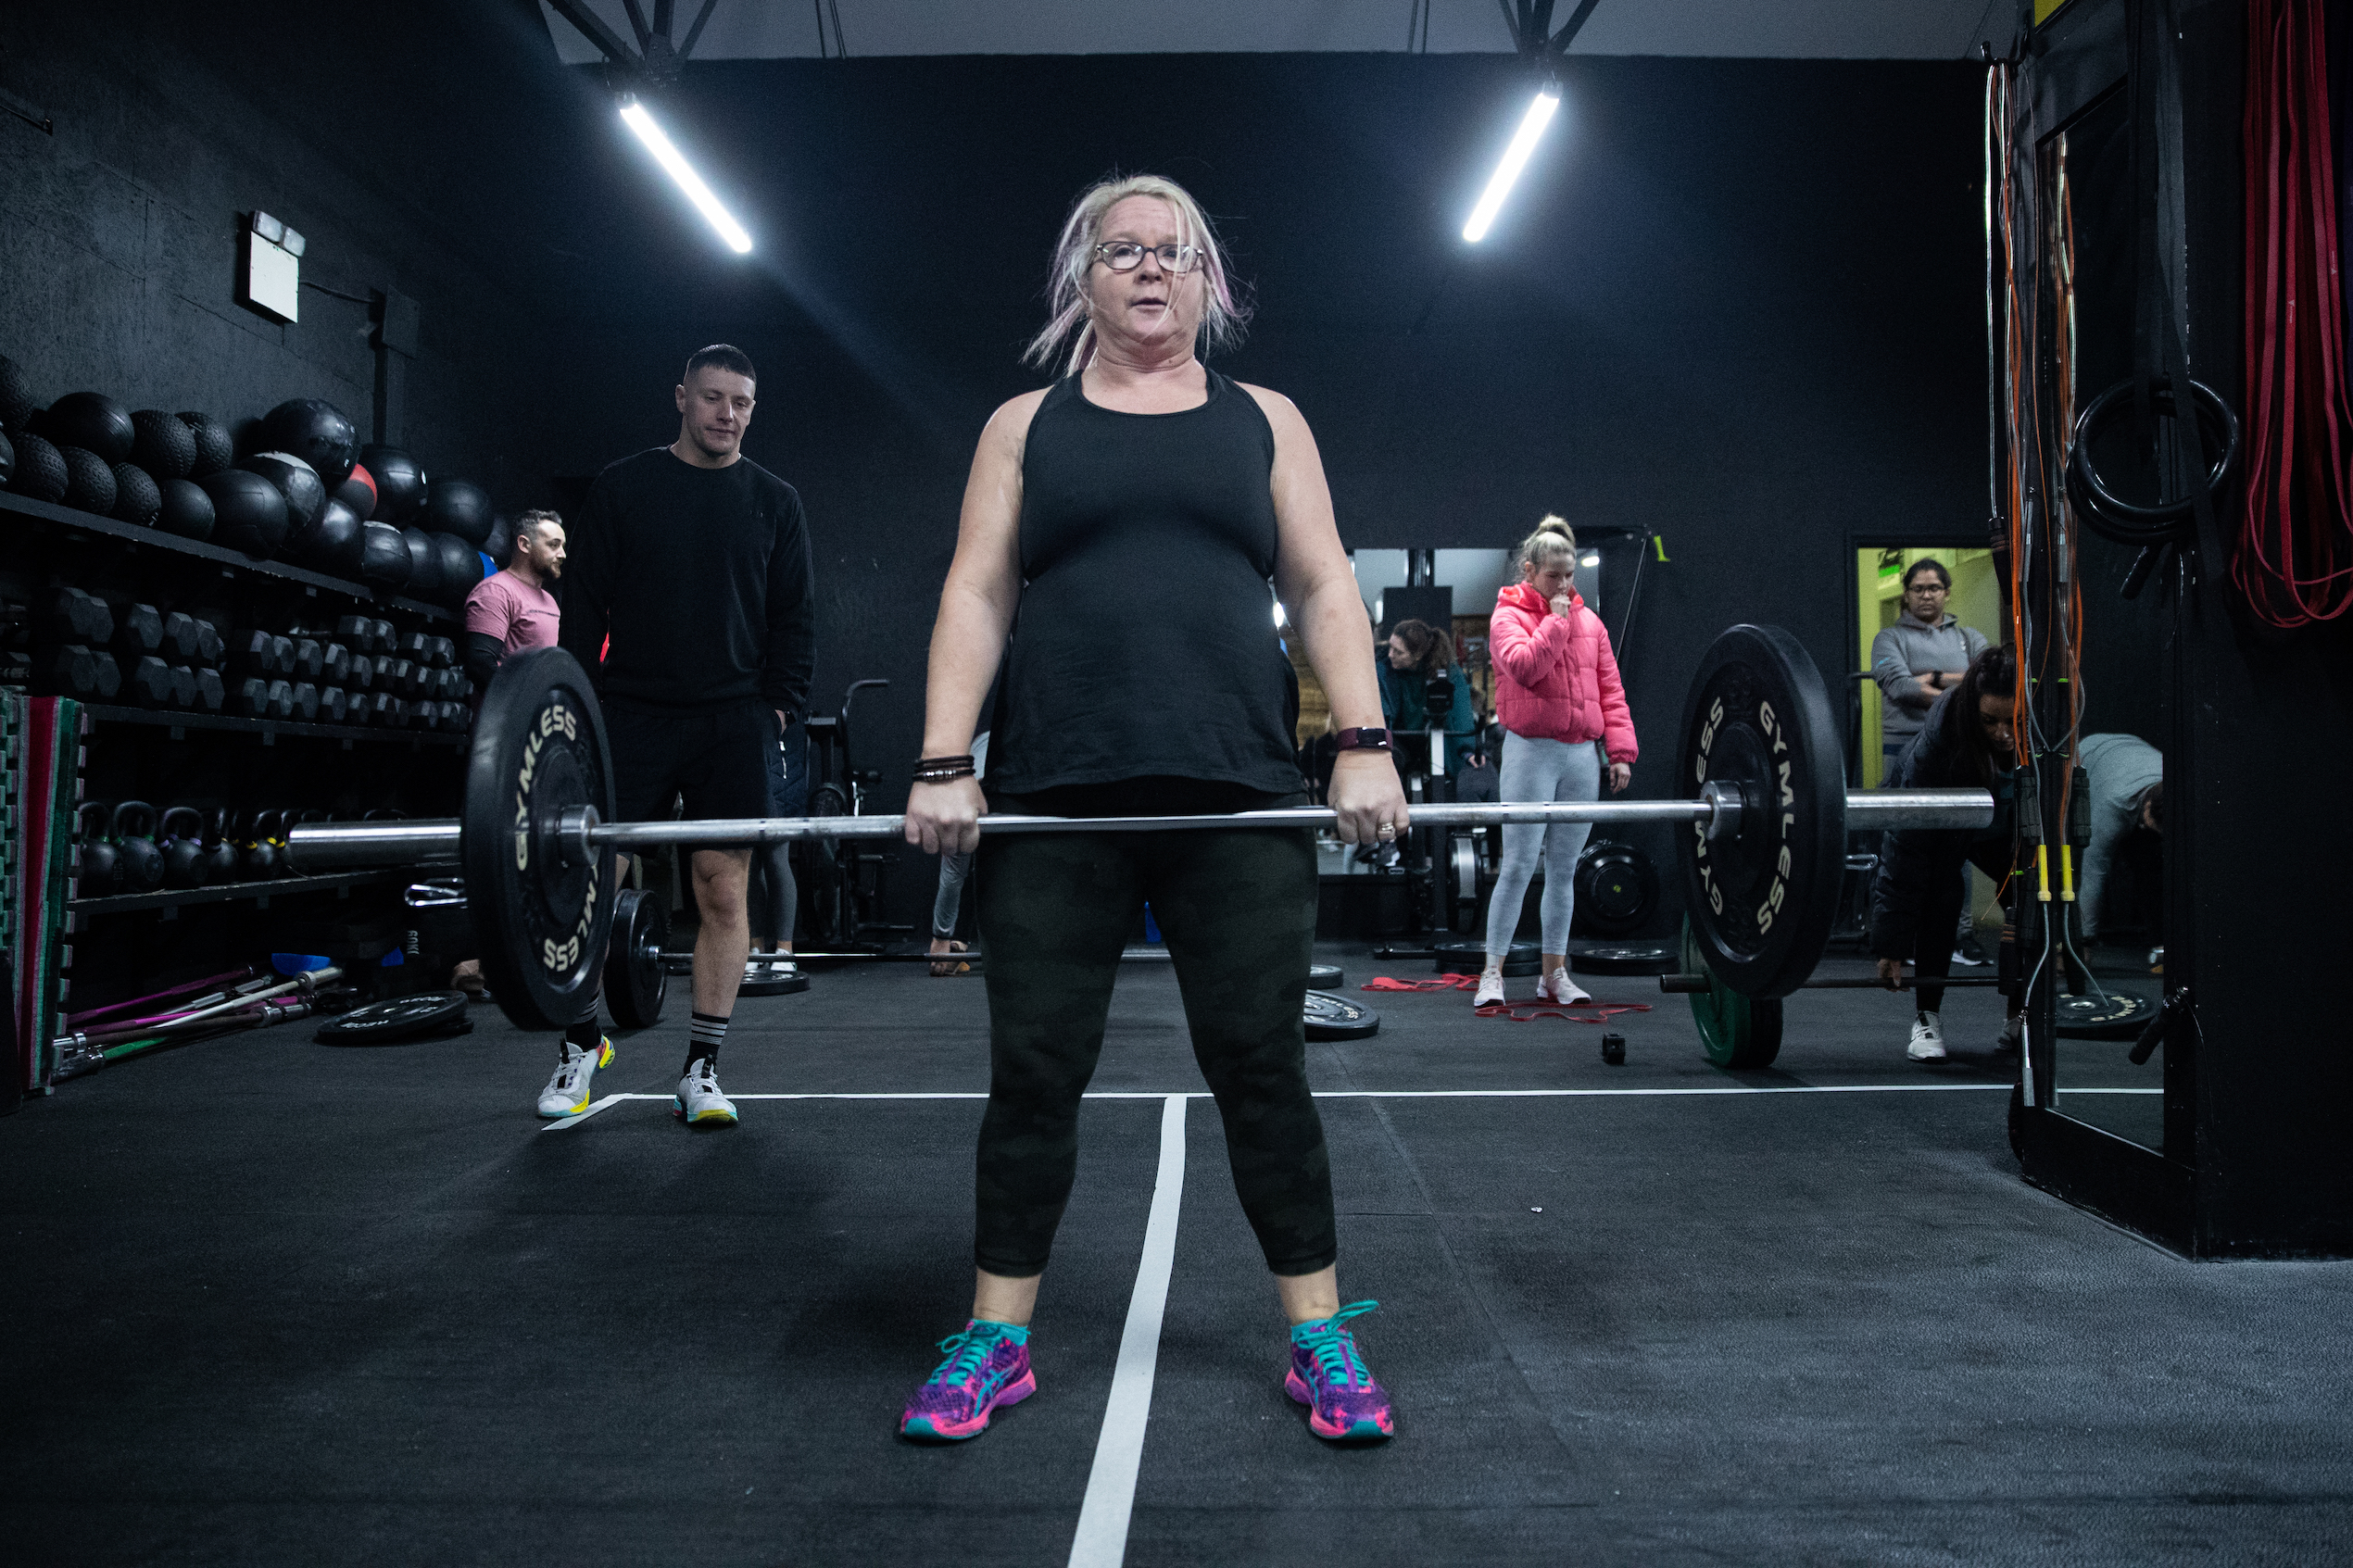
x,y
704,1036
584,1032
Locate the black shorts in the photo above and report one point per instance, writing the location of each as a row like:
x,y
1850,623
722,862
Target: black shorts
x,y
719,762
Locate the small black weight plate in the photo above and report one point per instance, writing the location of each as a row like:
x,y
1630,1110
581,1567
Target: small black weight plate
x,y
757,981
2117,1016
403,1018
1617,889
539,749
1650,958
1735,1031
1337,1018
1762,899
635,983
1469,957
1321,976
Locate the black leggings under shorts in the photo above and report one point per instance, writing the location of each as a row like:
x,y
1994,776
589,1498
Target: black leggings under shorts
x,y
1238,910
719,762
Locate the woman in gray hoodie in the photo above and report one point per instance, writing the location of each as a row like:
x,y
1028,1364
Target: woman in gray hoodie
x,y
1916,660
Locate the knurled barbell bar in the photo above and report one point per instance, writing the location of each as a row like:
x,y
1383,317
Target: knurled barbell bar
x,y
1767,812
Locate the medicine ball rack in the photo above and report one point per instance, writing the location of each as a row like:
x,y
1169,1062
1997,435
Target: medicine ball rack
x,y
183,753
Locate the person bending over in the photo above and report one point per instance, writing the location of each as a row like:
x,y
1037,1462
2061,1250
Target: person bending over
x,y
1564,720
1143,467
2127,778
1418,658
1917,902
693,561
507,613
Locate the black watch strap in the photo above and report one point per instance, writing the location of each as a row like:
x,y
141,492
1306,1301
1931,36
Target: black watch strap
x,y
1364,739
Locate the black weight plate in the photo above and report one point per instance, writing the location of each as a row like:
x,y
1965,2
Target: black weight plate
x,y
1337,1018
1469,957
538,748
773,986
1763,900
635,983
1323,975
403,1018
1643,959
1617,889
2117,1016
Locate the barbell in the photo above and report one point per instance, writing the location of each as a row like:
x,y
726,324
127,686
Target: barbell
x,y
1766,816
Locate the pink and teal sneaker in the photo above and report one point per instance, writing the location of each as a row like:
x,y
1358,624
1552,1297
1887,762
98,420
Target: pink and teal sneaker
x,y
1329,1375
986,1369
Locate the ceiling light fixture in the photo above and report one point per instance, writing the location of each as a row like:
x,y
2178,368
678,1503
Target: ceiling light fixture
x,y
1531,126
634,114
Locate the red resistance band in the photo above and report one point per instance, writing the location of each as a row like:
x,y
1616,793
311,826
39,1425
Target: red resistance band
x,y
1589,1011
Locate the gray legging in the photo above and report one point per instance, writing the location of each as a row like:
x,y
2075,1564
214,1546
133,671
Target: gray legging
x,y
1541,769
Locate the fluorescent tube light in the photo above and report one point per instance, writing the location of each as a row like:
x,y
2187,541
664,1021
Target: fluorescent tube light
x,y
1539,115
634,114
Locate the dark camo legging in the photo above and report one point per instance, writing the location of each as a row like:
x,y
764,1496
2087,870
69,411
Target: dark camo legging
x,y
1238,911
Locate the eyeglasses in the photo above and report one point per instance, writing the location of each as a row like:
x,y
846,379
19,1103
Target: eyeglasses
x,y
1124,256
1927,587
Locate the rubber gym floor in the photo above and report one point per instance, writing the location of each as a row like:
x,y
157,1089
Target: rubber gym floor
x,y
276,1302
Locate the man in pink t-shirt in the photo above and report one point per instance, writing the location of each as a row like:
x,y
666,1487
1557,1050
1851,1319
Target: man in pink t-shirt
x,y
512,610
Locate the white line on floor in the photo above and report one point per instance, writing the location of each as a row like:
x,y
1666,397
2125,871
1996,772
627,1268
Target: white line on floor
x,y
1102,1539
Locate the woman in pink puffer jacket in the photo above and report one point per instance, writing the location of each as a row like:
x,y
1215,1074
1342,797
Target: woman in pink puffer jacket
x,y
1559,697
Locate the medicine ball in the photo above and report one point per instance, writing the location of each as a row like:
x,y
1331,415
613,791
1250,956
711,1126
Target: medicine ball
x,y
384,556
187,509
8,461
454,505
41,470
306,494
333,545
400,483
500,545
460,567
358,491
136,497
424,565
91,420
318,432
89,480
162,445
248,513
216,450
17,401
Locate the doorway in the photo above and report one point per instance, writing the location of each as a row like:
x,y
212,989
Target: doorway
x,y
1879,588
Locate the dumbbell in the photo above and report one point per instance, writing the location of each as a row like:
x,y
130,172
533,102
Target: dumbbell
x,y
73,670
303,701
261,653
359,673
383,632
147,682
184,686
358,633
445,653
138,629
334,663
210,647
182,642
332,703
309,657
212,695
416,647
278,703
69,615
383,707
248,697
399,676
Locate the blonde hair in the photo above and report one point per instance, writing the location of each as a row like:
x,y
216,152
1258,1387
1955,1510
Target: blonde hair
x,y
1553,538
1221,318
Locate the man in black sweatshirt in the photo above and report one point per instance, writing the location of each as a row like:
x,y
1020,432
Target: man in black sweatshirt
x,y
688,596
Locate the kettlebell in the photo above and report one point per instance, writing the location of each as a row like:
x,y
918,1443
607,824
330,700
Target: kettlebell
x,y
257,857
280,822
138,862
100,864
183,858
220,854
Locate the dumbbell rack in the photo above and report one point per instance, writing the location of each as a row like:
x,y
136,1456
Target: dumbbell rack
x,y
106,948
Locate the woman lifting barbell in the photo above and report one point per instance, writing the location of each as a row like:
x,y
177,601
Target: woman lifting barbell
x,y
1966,741
1140,465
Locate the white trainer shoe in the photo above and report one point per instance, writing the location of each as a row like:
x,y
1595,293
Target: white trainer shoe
x,y
2013,1031
1562,989
566,1092
699,1099
1491,989
1928,1038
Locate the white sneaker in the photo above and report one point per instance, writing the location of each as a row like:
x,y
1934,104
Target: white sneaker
x,y
2013,1030
1562,989
566,1092
1928,1038
1491,989
698,1099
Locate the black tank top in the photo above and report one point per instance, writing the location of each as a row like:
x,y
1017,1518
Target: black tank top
x,y
1145,643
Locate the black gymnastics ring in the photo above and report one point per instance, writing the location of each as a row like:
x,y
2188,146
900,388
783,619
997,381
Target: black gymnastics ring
x,y
2092,496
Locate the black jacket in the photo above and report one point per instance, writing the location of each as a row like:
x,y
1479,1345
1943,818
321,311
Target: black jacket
x,y
1914,862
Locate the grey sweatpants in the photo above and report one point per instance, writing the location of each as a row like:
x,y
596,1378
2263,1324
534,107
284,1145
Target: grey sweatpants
x,y
1541,769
